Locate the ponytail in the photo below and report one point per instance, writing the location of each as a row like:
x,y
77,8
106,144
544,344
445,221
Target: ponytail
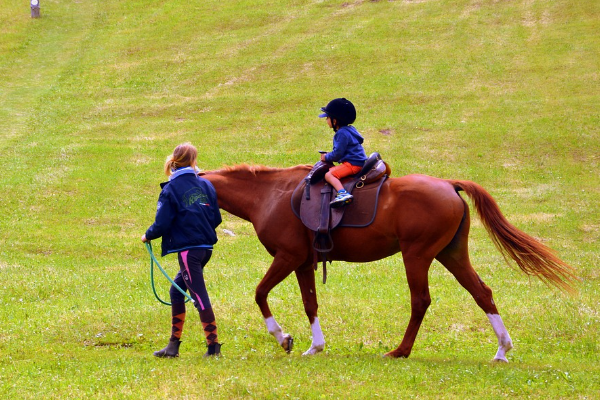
x,y
184,155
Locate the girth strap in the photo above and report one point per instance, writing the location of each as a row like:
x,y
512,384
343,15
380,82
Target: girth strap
x,y
323,260
323,243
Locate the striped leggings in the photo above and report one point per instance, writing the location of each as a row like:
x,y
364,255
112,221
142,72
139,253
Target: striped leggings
x,y
190,277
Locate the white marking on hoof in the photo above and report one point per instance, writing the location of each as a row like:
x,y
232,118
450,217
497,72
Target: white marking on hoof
x,y
274,329
318,341
502,350
313,350
504,341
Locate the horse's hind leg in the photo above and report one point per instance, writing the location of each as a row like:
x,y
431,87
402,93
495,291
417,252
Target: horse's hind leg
x,y
455,258
306,281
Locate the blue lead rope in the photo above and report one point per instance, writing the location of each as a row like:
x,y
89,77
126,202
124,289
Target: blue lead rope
x,y
153,261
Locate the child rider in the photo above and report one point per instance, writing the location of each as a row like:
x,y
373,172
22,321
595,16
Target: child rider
x,y
347,147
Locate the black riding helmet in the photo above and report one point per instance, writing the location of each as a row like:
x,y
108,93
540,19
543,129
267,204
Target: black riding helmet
x,y
341,109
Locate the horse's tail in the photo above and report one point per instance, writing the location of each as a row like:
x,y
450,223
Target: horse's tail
x,y
533,257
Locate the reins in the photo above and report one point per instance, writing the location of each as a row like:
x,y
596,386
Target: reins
x,y
153,261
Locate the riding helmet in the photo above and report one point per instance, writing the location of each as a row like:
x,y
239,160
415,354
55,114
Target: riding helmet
x,y
341,109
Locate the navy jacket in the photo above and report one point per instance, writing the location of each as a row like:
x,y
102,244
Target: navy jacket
x,y
187,213
347,146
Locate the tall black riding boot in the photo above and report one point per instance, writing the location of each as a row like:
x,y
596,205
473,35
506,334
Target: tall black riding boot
x,y
214,350
172,350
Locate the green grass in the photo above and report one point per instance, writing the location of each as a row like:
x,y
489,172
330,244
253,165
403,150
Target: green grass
x,y
95,94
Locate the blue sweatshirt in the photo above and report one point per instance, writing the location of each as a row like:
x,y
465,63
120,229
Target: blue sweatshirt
x,y
187,213
347,146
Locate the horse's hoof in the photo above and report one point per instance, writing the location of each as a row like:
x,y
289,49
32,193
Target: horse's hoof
x,y
313,350
393,354
500,360
288,343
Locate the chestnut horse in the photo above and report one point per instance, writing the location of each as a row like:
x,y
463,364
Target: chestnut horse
x,y
423,217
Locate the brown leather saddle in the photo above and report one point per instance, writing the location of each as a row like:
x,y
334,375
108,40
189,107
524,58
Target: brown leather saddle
x,y
311,198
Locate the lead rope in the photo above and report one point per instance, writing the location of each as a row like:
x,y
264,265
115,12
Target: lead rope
x,y
153,261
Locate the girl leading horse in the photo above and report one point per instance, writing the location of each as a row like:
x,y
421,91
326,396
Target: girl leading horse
x,y
423,217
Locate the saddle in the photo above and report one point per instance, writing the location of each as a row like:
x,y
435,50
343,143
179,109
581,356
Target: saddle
x,y
311,198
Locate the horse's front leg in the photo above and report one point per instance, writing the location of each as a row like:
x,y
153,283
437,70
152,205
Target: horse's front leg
x,y
306,281
279,270
285,340
416,274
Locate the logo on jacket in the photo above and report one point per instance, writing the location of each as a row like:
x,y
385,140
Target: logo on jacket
x,y
195,195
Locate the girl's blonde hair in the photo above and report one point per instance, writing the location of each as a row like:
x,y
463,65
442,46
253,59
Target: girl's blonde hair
x,y
184,155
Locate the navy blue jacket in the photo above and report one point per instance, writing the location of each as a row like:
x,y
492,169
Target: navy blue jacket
x,y
187,213
347,146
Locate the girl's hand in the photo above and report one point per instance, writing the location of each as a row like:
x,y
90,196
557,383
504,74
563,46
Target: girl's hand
x,y
144,238
323,157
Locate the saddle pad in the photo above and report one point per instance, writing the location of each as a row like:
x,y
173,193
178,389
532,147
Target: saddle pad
x,y
360,213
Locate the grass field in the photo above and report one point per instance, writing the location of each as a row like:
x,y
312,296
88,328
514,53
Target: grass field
x,y
95,94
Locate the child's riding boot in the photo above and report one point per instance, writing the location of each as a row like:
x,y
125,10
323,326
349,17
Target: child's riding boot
x,y
172,350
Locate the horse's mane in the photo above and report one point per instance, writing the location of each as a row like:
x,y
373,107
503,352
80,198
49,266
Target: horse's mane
x,y
247,167
255,169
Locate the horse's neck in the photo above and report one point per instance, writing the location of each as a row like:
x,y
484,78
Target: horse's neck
x,y
243,193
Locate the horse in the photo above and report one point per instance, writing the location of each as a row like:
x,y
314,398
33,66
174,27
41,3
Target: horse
x,y
423,217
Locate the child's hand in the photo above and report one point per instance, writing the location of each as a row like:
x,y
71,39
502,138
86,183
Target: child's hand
x,y
144,238
323,157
